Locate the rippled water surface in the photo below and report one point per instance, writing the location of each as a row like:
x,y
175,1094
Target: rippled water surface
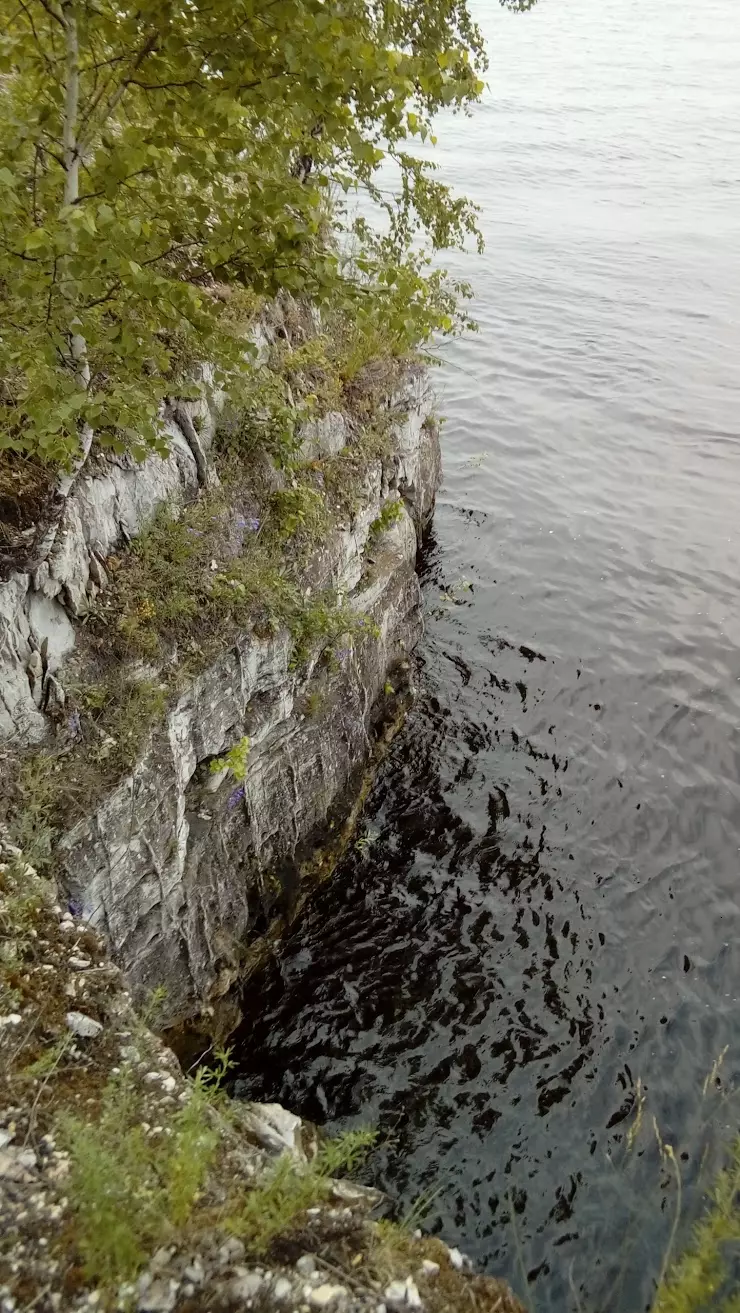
x,y
542,926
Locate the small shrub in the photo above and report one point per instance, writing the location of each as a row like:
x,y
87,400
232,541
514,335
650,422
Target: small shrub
x,y
130,1191
300,510
391,513
234,760
312,704
274,1206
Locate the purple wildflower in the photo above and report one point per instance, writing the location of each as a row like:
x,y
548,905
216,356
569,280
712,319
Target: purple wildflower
x,y
73,723
236,797
252,524
75,907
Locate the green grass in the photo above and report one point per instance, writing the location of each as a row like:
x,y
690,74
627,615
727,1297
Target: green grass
x,y
391,513
131,1192
699,1281
273,1208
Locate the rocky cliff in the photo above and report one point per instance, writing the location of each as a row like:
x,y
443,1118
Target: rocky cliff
x,y
179,863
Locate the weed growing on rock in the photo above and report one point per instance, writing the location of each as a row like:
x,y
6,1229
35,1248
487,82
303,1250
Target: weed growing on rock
x,y
130,1191
273,1207
235,760
391,513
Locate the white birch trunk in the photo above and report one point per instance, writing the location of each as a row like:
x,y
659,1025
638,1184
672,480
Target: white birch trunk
x,y
66,478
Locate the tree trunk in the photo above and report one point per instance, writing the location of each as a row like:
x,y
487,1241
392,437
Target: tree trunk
x,y
78,345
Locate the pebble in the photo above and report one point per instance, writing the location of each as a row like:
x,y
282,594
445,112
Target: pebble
x,y
194,1272
12,1019
246,1286
83,1026
282,1289
429,1268
167,1082
457,1259
162,1257
231,1252
159,1297
306,1265
403,1294
78,963
324,1295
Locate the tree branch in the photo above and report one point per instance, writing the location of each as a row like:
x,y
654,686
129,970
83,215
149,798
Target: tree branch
x,y
115,99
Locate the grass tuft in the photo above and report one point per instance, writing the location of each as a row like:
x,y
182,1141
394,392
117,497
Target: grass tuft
x,y
130,1191
701,1279
274,1207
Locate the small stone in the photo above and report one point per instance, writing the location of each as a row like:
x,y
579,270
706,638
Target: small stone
x,y
167,1082
12,1019
78,963
403,1294
282,1289
195,1272
306,1265
83,1026
325,1294
5,1137
429,1268
11,1169
158,1297
245,1286
162,1257
231,1252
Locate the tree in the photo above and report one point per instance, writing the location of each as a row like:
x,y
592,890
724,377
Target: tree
x,y
156,152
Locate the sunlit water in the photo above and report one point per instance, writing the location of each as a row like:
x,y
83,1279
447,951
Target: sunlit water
x,y
543,929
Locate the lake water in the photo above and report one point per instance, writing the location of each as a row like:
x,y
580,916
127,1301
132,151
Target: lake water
x,y
540,936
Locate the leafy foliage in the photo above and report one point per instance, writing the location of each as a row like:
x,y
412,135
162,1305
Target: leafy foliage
x,y
235,760
391,513
159,159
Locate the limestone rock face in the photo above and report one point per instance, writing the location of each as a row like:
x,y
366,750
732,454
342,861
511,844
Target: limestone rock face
x,y
114,499
179,866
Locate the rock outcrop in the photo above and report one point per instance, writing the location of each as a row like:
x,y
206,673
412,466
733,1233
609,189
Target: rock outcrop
x,y
180,866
